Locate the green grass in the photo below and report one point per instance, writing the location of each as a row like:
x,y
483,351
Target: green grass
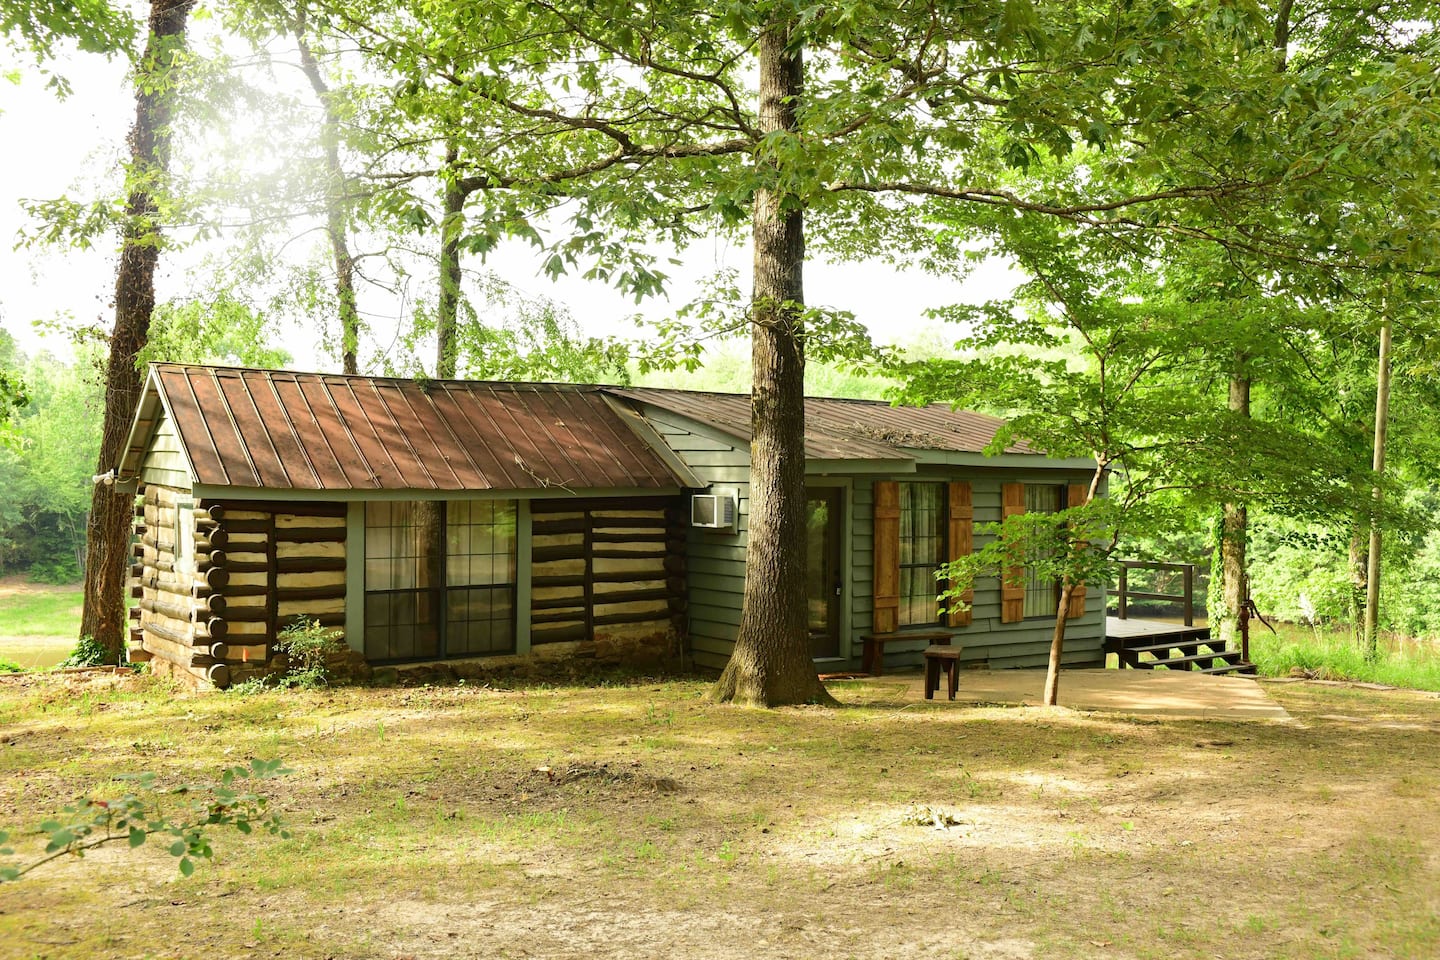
x,y
38,622
41,611
1328,654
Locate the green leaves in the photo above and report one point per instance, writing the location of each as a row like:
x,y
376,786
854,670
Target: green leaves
x,y
149,811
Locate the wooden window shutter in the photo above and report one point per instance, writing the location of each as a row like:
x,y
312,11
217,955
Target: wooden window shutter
x,y
1076,495
1012,584
960,542
886,616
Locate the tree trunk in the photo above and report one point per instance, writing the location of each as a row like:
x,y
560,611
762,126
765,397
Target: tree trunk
x,y
335,203
452,221
111,511
1234,531
1359,565
771,665
1382,417
1062,610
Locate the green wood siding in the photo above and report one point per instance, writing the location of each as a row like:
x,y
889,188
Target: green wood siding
x,y
715,562
987,641
163,462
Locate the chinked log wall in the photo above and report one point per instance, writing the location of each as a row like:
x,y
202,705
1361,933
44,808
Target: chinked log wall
x,y
259,567
608,571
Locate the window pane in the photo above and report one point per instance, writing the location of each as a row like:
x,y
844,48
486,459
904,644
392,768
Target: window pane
x,y
922,551
1041,595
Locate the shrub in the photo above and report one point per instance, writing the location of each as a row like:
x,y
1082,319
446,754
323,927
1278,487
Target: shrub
x,y
10,666
88,652
309,647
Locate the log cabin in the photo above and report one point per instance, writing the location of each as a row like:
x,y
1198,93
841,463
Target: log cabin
x,y
441,521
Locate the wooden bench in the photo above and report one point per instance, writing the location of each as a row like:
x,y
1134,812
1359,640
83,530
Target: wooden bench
x,y
872,654
939,658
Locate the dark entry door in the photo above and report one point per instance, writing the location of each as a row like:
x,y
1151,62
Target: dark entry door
x,y
824,573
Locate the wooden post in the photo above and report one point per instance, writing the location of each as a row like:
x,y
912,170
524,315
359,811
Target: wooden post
x,y
1123,599
1187,573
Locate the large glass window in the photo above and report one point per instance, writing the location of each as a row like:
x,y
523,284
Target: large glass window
x,y
922,551
1041,594
439,579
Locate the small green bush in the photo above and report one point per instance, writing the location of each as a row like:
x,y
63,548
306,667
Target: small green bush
x,y
10,666
88,652
309,647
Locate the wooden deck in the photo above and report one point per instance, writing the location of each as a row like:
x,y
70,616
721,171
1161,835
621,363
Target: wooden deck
x,y
1147,644
1133,628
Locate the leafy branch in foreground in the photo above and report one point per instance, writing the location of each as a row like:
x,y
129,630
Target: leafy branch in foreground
x,y
135,817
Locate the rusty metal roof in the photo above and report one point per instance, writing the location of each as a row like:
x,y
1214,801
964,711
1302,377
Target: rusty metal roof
x,y
837,429
309,431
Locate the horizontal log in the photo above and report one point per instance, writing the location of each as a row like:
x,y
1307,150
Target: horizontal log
x,y
570,580
138,655
324,619
299,509
559,634
284,594
610,619
567,602
612,554
184,648
632,596
575,614
569,551
136,591
550,528
309,534
165,608
218,674
209,512
216,628
140,529
134,613
629,523
139,511
220,651
288,565
217,539
649,537
569,505
249,613
205,561
137,570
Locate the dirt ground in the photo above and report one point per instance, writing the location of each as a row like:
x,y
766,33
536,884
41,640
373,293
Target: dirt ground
x,y
638,820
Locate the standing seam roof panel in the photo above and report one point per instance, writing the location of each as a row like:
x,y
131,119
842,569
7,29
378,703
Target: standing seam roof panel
x,y
293,456
312,433
255,434
578,452
457,409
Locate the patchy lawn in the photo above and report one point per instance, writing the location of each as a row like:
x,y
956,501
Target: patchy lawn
x,y
640,821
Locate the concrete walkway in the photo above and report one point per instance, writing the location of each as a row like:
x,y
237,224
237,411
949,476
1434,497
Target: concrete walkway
x,y
1160,693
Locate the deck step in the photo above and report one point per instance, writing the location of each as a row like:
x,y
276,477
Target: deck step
x,y
1229,656
1240,666
1174,645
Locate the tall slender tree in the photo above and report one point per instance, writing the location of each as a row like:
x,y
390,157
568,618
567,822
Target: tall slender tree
x,y
111,512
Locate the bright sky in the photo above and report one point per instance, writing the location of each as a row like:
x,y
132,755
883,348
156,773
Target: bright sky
x,y
49,148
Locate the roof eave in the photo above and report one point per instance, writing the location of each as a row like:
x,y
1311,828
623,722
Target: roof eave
x,y
1028,461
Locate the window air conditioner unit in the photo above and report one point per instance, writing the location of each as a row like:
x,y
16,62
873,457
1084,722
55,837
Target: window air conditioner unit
x,y
712,511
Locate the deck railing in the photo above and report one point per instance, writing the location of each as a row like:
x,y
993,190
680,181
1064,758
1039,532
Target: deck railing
x,y
1186,598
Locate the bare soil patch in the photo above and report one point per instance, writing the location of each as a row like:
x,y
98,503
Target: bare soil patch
x,y
640,821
